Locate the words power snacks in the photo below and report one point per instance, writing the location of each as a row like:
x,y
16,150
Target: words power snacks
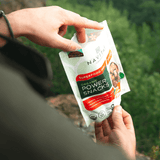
x,y
95,74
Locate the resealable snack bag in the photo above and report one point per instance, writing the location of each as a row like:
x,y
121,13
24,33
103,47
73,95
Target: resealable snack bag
x,y
95,74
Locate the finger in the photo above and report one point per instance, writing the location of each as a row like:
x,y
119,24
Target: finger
x,y
127,120
65,44
98,130
117,118
81,22
62,30
106,128
81,34
110,121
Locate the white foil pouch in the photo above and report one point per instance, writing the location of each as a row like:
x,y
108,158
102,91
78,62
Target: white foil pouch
x,y
95,74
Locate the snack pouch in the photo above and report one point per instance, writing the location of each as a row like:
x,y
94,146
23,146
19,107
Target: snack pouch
x,y
95,74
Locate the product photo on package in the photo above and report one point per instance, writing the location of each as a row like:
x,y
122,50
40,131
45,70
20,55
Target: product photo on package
x,y
95,74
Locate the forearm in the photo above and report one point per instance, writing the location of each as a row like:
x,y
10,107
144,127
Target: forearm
x,y
46,26
15,21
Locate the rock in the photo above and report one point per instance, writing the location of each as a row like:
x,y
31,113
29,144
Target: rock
x,y
140,156
12,5
67,105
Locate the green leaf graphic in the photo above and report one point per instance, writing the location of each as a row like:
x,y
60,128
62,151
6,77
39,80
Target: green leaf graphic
x,y
121,75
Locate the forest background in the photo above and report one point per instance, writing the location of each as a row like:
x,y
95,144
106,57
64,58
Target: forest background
x,y
135,27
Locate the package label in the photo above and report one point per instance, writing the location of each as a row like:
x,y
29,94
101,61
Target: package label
x,y
95,74
97,82
94,82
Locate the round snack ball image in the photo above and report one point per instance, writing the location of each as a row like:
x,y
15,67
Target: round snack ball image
x,y
114,73
102,114
93,116
112,106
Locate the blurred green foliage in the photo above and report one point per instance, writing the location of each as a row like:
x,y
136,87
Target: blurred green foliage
x,y
139,11
138,48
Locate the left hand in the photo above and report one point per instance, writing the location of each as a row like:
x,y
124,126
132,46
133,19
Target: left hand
x,y
118,130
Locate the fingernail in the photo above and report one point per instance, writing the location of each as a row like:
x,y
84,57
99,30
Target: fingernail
x,y
100,26
78,48
118,109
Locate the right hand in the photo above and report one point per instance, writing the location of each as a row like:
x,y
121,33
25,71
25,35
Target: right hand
x,y
46,26
118,130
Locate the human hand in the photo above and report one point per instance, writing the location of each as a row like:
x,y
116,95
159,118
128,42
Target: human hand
x,y
46,26
118,130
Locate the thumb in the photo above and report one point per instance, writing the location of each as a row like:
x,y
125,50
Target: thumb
x,y
66,45
117,118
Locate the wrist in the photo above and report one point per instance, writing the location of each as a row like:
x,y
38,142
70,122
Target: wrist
x,y
14,22
7,22
130,155
20,23
3,30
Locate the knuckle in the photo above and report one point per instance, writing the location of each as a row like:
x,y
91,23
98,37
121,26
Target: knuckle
x,y
78,15
57,7
129,116
59,10
69,46
75,18
84,20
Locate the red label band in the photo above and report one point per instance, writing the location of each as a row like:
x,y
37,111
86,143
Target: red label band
x,y
96,101
83,77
